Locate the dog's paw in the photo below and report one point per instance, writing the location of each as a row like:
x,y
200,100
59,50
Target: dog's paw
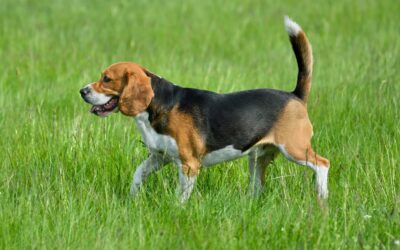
x,y
134,190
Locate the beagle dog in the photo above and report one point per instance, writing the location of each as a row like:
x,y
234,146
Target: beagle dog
x,y
195,128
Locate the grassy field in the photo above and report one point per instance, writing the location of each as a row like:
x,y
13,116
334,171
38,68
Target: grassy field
x,y
65,174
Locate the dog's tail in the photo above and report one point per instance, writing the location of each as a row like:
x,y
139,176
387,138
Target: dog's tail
x,y
302,49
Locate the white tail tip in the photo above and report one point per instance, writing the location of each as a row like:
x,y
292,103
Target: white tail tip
x,y
292,28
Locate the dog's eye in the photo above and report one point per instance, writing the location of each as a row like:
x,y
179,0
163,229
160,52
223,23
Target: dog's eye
x,y
106,79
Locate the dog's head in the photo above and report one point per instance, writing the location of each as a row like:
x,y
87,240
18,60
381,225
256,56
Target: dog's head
x,y
123,86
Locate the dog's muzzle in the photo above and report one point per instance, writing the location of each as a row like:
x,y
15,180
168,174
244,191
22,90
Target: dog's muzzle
x,y
84,91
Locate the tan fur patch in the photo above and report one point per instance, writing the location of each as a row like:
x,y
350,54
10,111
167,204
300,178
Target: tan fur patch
x,y
190,143
99,88
294,130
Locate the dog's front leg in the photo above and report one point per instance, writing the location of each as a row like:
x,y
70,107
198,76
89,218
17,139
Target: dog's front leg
x,y
188,172
150,165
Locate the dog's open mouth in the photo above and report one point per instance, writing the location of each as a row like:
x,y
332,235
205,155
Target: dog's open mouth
x,y
105,109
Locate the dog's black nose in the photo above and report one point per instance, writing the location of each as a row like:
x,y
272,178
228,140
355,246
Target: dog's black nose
x,y
84,91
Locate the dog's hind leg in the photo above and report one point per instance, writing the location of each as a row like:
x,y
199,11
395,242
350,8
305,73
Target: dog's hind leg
x,y
258,162
307,157
303,154
147,167
292,136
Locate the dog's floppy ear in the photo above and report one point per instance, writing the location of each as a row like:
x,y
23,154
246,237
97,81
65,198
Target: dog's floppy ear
x,y
137,93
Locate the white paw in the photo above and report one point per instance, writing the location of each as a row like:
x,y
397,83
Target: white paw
x,y
183,200
255,189
322,193
134,190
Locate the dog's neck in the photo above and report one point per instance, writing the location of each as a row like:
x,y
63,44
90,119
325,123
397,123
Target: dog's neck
x,y
164,92
165,97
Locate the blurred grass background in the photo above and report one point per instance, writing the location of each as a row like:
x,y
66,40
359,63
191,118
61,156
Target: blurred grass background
x,y
65,174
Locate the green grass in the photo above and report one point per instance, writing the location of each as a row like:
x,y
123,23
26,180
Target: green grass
x,y
65,174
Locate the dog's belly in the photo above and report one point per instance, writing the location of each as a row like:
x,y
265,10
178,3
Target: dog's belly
x,y
224,154
167,146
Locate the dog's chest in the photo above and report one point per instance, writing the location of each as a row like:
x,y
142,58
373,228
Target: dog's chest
x,y
154,141
167,145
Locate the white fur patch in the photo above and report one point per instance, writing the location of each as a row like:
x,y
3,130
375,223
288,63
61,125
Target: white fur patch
x,y
292,28
322,182
225,154
163,144
96,98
